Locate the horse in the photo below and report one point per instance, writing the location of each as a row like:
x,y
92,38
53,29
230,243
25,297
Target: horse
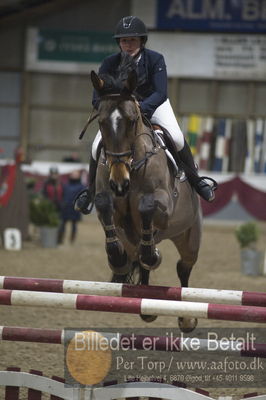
x,y
139,198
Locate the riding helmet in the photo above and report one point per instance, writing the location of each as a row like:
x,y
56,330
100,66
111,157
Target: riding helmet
x,y
129,27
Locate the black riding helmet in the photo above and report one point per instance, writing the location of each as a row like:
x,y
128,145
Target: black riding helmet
x,y
131,27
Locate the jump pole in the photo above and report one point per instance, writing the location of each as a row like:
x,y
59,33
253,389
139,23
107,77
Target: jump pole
x,y
133,305
130,342
236,297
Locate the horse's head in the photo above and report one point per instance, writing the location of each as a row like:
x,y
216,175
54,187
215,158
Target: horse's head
x,y
119,116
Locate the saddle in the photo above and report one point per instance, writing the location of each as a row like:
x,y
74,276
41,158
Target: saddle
x,y
164,139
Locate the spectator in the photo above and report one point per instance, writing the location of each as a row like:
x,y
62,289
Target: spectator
x,y
68,214
53,188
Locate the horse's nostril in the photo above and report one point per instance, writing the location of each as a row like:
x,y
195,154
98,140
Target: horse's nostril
x,y
112,185
126,184
119,189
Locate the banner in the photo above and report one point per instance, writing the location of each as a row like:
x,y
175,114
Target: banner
x,y
222,56
250,198
67,51
75,46
212,15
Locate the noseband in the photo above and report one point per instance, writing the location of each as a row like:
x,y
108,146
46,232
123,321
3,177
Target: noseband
x,y
117,157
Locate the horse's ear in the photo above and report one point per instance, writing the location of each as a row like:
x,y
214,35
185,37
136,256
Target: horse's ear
x,y
96,81
132,81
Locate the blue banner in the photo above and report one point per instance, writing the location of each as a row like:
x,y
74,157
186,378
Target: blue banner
x,y
212,15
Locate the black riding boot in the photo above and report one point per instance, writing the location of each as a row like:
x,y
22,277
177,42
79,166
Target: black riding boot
x,y
85,199
205,190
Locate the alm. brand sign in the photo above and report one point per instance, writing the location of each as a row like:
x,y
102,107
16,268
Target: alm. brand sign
x,y
73,46
212,15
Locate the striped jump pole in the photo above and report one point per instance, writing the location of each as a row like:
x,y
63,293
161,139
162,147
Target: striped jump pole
x,y
133,305
236,297
135,342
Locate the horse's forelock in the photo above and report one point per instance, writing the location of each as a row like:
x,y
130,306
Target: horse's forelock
x,y
117,84
126,66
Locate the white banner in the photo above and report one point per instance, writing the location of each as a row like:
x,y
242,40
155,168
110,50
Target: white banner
x,y
220,56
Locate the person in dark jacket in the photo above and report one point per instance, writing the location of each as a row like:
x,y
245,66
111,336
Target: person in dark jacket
x,y
53,188
151,92
68,214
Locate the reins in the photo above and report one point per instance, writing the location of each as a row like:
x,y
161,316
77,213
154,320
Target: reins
x,y
89,120
93,117
136,165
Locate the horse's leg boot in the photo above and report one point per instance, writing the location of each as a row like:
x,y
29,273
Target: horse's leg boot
x,y
150,257
117,256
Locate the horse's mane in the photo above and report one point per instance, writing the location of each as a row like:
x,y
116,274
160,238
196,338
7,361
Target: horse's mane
x,y
114,84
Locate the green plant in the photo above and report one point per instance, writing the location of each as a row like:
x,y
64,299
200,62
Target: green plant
x,y
43,212
247,234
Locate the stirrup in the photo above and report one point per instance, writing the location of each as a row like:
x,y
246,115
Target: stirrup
x,y
84,202
204,189
215,184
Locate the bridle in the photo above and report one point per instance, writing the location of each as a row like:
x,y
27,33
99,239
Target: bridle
x,y
118,156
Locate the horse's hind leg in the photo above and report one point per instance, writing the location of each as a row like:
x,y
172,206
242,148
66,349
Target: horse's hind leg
x,y
187,245
117,256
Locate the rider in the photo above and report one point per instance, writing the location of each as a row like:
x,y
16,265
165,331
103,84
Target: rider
x,y
131,36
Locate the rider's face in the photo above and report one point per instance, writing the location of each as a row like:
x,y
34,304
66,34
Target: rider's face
x,y
130,45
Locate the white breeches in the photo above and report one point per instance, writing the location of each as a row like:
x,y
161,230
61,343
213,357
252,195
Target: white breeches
x,y
163,116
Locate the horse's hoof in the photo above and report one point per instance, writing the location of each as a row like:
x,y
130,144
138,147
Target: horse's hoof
x,y
148,318
187,325
155,265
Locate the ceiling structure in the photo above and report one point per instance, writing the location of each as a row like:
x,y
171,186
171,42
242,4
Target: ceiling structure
x,y
21,11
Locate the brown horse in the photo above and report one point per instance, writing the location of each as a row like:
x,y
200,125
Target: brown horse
x,y
139,199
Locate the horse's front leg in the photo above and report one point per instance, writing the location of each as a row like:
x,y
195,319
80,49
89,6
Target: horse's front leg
x,y
117,256
149,256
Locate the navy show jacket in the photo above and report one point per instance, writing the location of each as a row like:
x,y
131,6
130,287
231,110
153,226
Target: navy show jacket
x,y
152,89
